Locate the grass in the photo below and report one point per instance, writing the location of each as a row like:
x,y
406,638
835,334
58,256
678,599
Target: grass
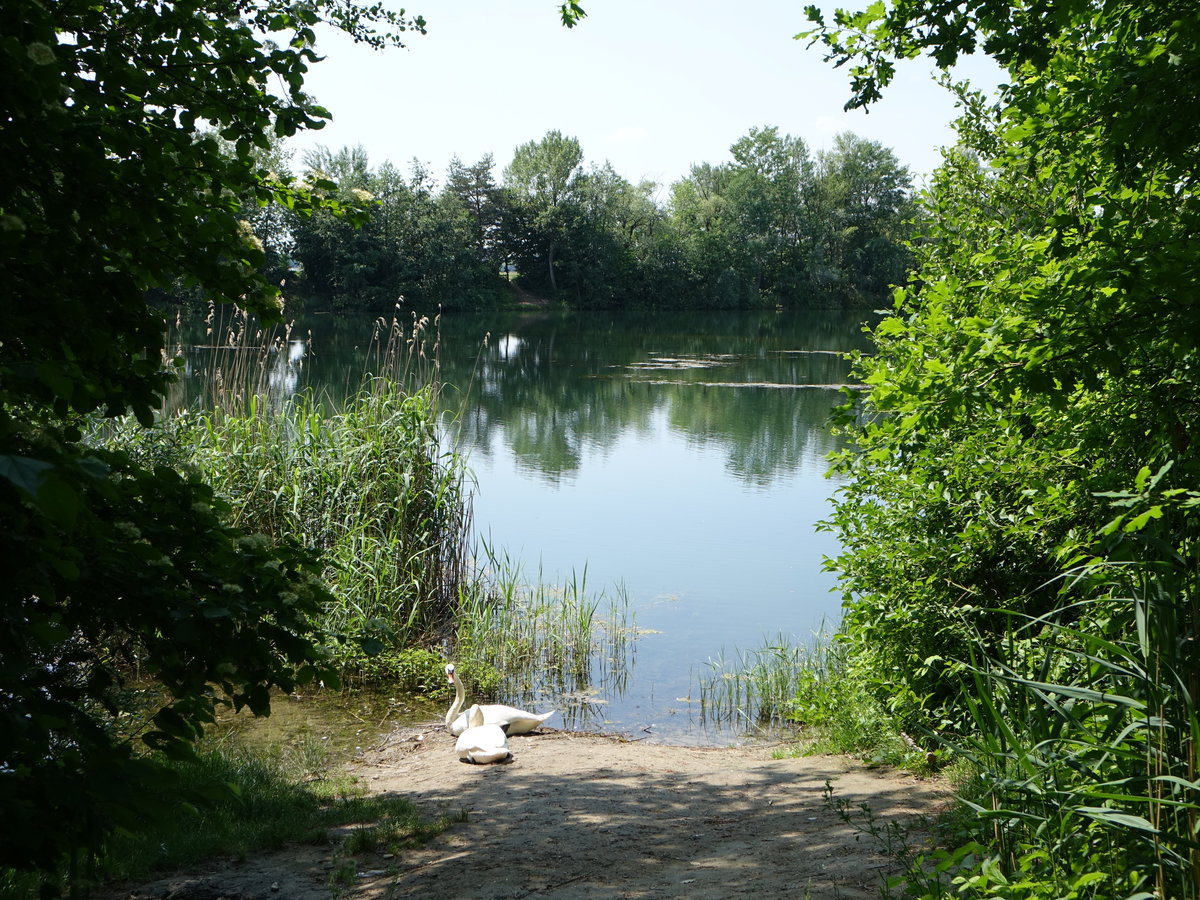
x,y
541,639
367,482
785,684
373,482
1085,751
1081,763
234,803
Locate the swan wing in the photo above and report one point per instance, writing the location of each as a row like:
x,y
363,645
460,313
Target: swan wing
x,y
483,744
517,721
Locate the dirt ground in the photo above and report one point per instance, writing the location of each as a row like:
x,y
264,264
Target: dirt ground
x,y
583,816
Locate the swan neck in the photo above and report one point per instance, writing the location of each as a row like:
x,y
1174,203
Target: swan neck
x,y
460,696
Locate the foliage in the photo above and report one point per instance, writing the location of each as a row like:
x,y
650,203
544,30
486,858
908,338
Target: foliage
x,y
862,214
1038,371
1031,369
774,226
410,245
543,180
1085,739
129,150
815,687
367,485
530,639
410,670
230,802
471,192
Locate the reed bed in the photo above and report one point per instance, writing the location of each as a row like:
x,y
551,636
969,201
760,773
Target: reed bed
x,y
810,689
374,483
757,687
563,641
368,484
1084,748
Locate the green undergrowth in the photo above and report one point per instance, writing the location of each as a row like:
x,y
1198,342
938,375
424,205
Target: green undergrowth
x,y
544,637
232,802
814,687
1077,777
367,481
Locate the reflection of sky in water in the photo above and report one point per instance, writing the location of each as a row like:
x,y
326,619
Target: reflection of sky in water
x,y
284,368
710,563
508,346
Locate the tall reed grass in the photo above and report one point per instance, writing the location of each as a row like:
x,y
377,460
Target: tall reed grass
x,y
812,687
564,641
374,483
1086,729
1085,753
368,482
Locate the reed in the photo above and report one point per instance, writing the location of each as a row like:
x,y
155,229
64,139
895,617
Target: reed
x,y
757,687
368,482
1085,747
369,485
545,640
814,686
373,482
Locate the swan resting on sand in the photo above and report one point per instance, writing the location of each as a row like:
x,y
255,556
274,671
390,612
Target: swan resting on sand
x,y
482,743
511,719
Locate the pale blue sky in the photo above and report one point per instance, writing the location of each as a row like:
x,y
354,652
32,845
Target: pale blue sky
x,y
650,86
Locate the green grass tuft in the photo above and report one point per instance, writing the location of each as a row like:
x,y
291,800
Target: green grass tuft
x,y
234,803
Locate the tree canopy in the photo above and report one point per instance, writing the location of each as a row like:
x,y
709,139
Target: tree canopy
x,y
131,137
1054,305
773,226
1021,494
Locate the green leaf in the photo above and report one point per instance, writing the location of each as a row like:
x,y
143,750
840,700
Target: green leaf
x,y
27,475
1111,817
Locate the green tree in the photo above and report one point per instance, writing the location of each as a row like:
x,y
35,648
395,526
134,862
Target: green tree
x,y
129,141
411,242
1046,352
351,264
476,191
748,226
770,183
862,212
703,225
542,179
1025,455
605,232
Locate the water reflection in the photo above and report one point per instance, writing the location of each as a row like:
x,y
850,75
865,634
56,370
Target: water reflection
x,y
508,346
284,365
233,359
681,455
554,388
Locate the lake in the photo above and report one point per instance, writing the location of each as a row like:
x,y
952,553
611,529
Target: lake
x,y
680,458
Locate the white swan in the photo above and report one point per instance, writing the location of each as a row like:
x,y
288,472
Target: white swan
x,y
482,743
513,720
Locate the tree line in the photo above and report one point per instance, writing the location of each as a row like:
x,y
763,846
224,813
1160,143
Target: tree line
x,y
775,225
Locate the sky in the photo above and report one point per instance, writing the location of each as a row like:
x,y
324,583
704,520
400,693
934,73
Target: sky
x,y
650,86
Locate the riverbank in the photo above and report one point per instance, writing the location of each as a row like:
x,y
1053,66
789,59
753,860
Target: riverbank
x,y
578,815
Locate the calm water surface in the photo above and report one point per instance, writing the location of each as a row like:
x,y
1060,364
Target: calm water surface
x,y
681,458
